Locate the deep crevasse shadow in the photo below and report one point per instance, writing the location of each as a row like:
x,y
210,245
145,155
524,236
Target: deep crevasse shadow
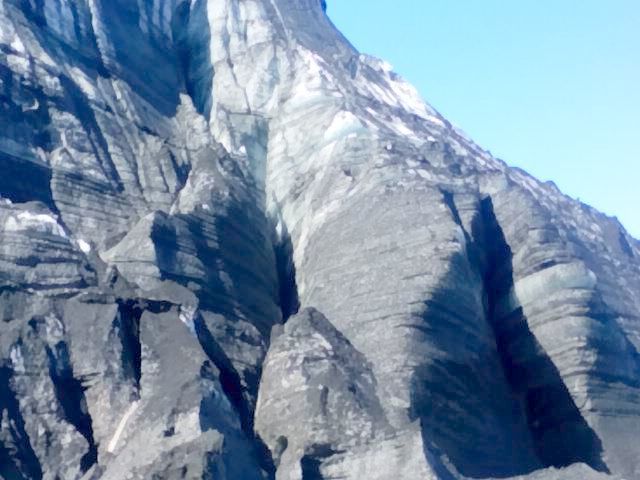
x,y
286,269
536,424
560,433
469,417
231,384
17,457
69,391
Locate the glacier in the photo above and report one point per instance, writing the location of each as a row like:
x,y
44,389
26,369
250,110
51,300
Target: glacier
x,y
234,247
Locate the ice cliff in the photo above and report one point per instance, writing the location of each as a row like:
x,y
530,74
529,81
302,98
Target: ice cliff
x,y
233,247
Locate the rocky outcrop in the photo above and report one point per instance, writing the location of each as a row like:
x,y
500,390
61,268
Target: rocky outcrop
x,y
233,247
313,373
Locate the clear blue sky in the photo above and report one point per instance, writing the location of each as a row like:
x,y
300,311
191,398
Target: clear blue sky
x,y
552,86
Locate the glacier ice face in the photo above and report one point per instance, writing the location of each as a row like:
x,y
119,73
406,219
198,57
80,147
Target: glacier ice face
x,y
232,246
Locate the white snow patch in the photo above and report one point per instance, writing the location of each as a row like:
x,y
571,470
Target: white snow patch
x,y
54,328
343,124
402,129
410,99
19,64
321,342
83,245
83,82
17,360
63,139
187,315
316,84
461,238
40,222
382,94
311,59
123,423
32,107
395,91
303,94
17,44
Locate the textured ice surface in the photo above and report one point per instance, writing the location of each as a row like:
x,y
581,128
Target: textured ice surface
x,y
233,247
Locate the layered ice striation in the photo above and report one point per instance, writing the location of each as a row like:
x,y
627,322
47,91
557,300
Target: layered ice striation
x,y
233,247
